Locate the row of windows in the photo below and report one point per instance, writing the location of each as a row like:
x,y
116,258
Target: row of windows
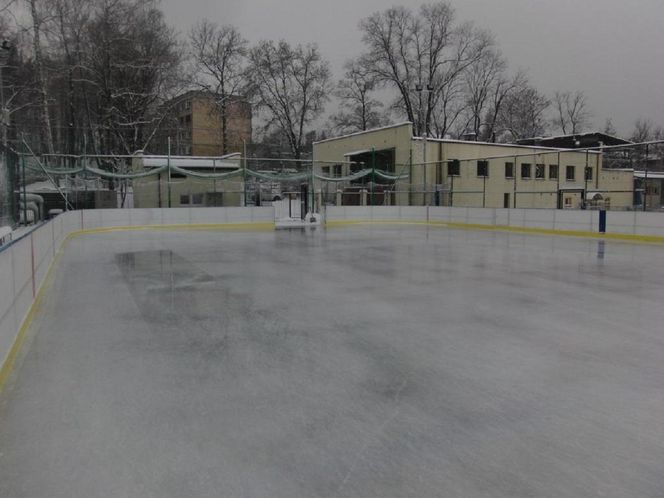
x,y
334,170
454,169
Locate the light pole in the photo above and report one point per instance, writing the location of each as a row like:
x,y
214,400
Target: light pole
x,y
425,132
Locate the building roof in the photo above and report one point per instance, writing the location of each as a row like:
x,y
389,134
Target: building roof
x,y
445,140
575,141
651,175
496,144
203,94
230,161
397,125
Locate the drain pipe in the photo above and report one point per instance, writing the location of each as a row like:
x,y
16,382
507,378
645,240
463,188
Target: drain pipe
x,y
35,199
29,206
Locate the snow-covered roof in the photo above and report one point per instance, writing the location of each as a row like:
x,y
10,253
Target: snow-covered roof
x,y
357,152
193,162
381,128
494,144
653,175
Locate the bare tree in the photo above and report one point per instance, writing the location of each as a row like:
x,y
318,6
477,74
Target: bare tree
x,y
503,89
484,81
522,113
572,112
427,50
359,111
38,18
71,18
219,56
291,84
646,131
609,129
130,64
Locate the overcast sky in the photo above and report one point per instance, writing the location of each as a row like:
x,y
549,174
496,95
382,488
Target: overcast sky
x,y
610,49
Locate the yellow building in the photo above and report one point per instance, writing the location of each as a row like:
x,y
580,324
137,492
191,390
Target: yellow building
x,y
186,185
472,174
195,126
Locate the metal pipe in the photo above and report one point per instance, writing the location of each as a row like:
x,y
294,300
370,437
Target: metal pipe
x,y
30,206
50,178
37,199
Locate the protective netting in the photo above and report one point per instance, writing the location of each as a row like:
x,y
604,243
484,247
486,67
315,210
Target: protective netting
x,y
272,176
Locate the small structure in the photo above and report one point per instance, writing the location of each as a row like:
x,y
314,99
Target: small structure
x,y
186,184
650,184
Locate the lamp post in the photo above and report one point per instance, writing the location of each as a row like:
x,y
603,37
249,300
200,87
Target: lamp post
x,y
425,132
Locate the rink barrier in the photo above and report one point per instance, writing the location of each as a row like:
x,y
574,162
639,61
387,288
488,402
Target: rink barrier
x,y
27,262
631,226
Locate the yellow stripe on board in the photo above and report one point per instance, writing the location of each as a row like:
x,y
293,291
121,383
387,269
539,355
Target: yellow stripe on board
x,y
9,361
199,226
624,237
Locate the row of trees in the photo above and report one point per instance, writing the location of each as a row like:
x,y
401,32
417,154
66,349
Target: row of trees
x,y
94,76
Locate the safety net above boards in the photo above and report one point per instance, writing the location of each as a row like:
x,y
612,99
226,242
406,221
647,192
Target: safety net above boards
x,y
263,175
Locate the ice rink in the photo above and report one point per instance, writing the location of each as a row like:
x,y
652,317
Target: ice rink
x,y
364,361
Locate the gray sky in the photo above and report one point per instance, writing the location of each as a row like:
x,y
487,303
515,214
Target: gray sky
x,y
611,49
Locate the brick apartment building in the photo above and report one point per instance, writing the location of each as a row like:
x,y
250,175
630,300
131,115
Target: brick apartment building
x,y
195,125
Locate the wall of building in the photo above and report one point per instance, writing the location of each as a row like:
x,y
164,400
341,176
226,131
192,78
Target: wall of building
x,y
431,171
522,191
153,192
397,137
207,132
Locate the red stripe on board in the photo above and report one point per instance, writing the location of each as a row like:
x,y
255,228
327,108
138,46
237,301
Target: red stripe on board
x,y
32,257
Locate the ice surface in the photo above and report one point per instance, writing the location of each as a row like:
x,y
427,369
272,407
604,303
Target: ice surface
x,y
355,362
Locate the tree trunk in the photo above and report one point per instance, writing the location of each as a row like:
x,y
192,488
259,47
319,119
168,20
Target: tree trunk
x,y
41,79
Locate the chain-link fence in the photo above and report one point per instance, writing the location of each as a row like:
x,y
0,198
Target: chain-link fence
x,y
620,178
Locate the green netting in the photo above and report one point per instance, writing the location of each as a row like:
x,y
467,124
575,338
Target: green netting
x,y
279,177
125,176
50,171
361,174
211,176
264,175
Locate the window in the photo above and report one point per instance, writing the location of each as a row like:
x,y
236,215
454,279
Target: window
x,y
509,170
197,199
337,171
525,170
589,173
326,170
453,167
553,171
506,200
214,199
482,168
570,174
539,171
184,200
